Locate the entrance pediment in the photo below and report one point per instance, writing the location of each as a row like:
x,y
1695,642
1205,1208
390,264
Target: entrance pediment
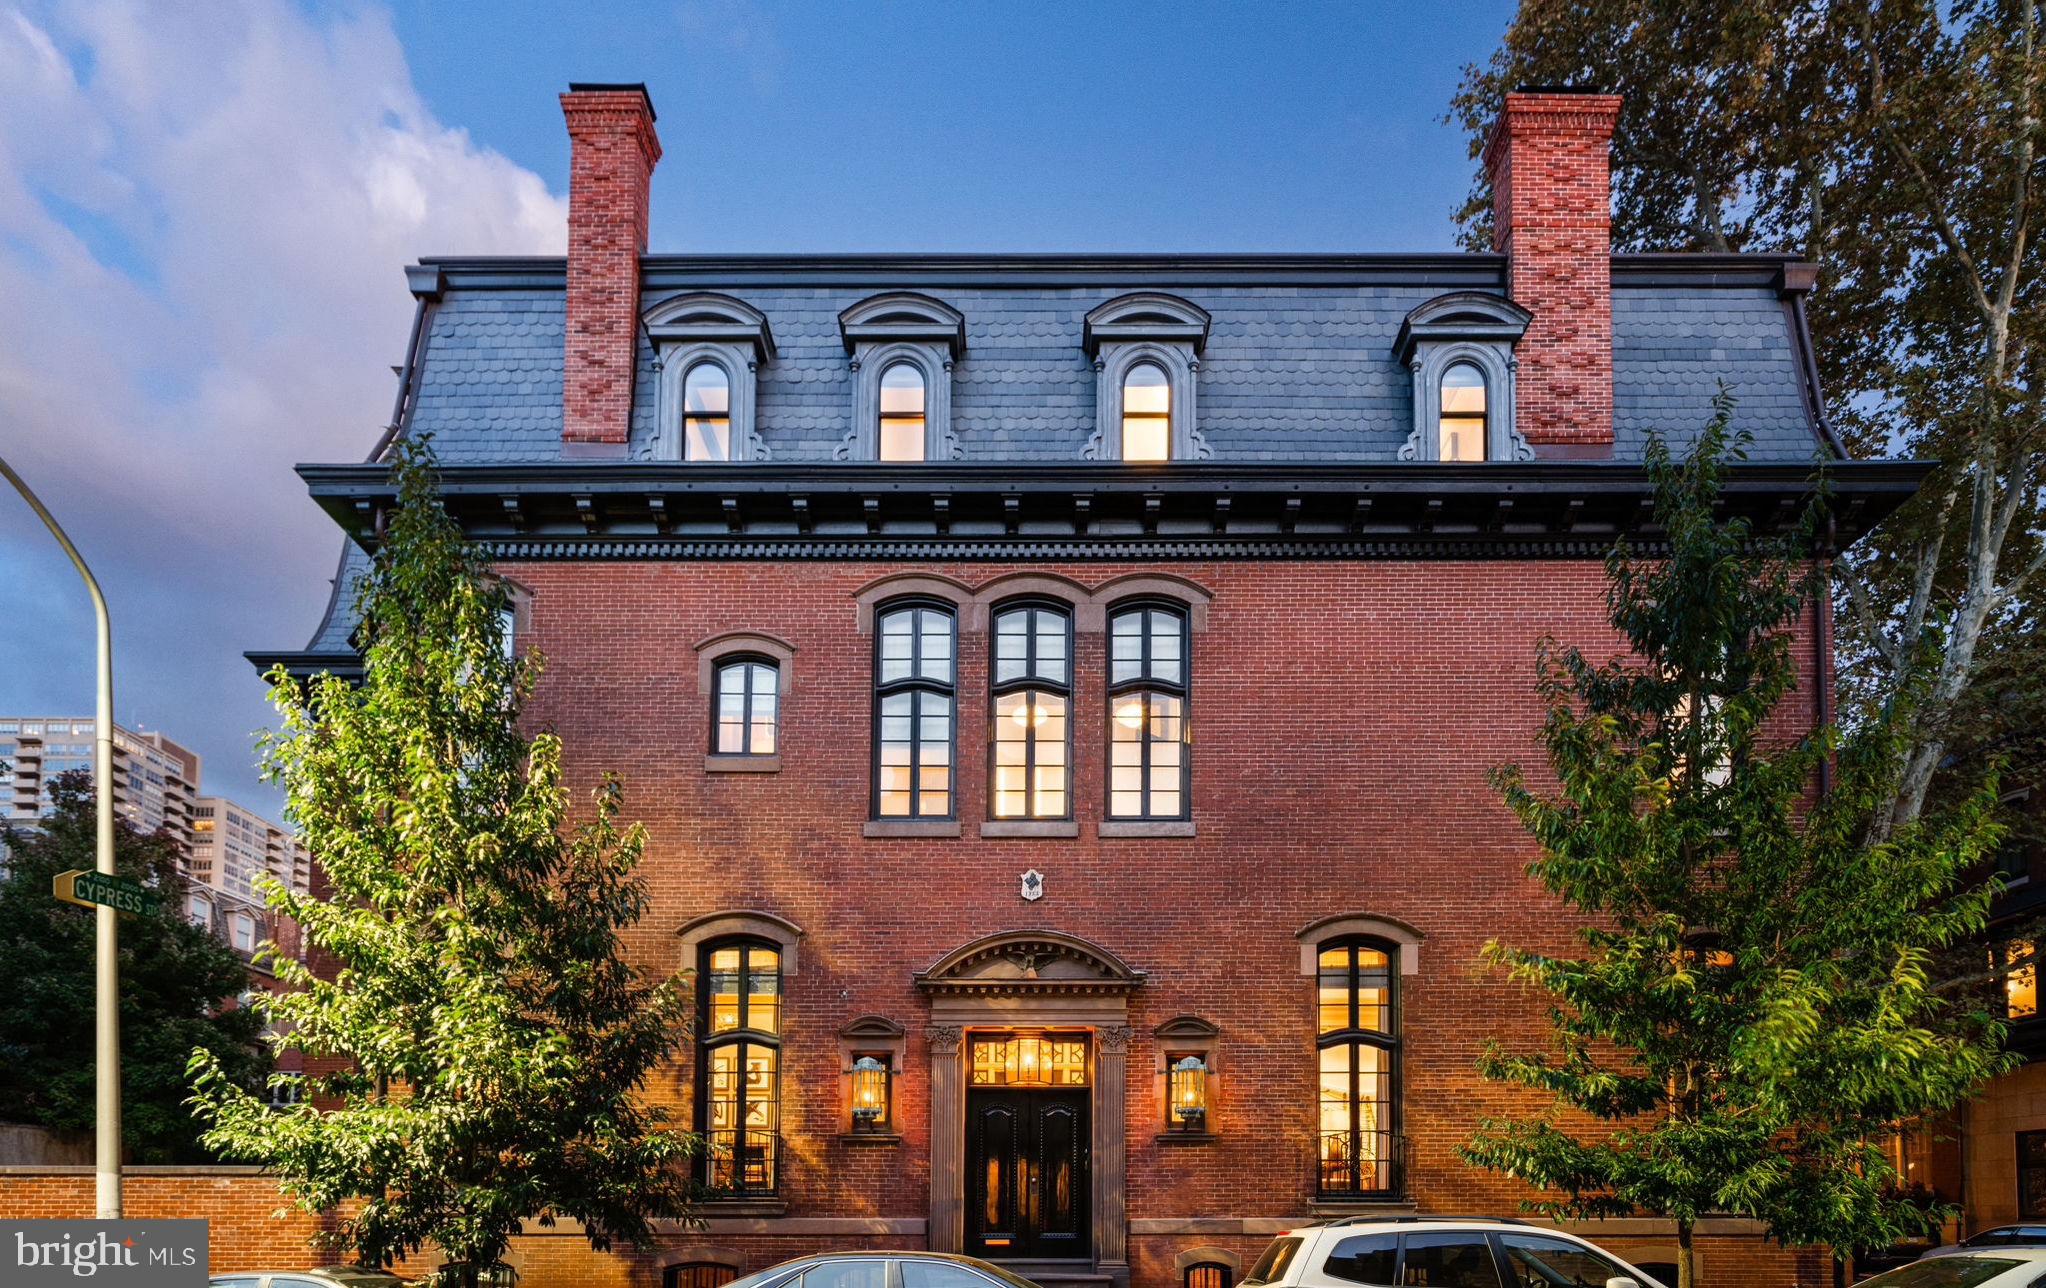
x,y
1039,962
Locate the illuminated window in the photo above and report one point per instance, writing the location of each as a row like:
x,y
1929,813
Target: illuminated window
x,y
739,1065
707,413
1146,414
698,1274
1032,693
1462,423
1358,1042
1028,1060
2020,970
902,413
1147,698
747,705
913,703
1209,1274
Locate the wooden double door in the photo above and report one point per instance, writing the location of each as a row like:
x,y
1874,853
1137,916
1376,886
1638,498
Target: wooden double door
x,y
1027,1160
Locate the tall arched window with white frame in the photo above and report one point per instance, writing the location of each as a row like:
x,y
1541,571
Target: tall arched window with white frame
x,y
1146,413
707,413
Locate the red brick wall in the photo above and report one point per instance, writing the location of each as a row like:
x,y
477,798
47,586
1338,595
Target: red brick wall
x,y
239,1205
1345,718
613,150
1551,190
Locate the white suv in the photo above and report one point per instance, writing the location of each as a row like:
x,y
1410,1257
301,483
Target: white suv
x,y
1441,1252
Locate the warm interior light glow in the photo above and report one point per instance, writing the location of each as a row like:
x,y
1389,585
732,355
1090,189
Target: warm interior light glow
x,y
870,1091
1129,713
1188,1088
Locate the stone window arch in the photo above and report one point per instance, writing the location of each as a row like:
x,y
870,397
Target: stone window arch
x,y
1462,328
1136,330
886,331
688,331
747,923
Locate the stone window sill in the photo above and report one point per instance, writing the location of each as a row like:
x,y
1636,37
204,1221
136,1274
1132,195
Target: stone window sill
x,y
901,827
883,1139
1390,1205
1019,827
716,764
1133,829
744,1206
1187,1138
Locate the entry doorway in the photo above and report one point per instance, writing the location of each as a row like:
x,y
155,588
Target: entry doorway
x,y
1028,1147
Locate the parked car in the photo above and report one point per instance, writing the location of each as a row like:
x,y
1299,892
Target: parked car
x,y
1469,1252
324,1277
2008,1267
883,1270
2021,1235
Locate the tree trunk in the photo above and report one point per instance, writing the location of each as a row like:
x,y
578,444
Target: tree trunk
x,y
1687,1257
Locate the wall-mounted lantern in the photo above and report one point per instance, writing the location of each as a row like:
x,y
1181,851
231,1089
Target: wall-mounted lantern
x,y
869,1093
1187,1089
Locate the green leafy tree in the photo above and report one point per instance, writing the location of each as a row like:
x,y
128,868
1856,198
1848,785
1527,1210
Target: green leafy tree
x,y
179,985
1752,1010
1897,144
483,1040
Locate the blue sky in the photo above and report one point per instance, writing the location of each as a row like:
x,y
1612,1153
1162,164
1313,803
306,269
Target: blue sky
x,y
204,212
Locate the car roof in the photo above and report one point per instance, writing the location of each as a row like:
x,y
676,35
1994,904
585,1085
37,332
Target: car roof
x,y
2020,1251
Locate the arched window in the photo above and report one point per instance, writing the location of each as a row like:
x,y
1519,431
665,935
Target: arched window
x,y
1209,1274
1359,1066
1462,426
1147,697
1146,413
698,1274
738,1065
902,413
707,413
1032,691
913,695
748,707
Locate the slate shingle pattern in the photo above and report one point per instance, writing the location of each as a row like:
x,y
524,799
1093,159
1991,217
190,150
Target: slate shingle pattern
x,y
1290,374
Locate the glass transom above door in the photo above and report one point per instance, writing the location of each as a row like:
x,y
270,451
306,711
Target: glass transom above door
x,y
1029,1059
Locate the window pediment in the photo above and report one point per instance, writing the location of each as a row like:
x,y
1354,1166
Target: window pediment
x,y
706,317
1460,315
903,316
1146,315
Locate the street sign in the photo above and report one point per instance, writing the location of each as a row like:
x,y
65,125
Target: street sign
x,y
90,889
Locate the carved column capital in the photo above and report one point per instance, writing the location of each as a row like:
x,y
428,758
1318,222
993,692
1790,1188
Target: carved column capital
x,y
945,1038
1114,1038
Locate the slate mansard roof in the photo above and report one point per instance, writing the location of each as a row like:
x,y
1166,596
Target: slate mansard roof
x,y
1298,366
1300,401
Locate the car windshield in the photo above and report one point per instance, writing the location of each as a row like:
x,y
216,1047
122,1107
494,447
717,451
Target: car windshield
x,y
1943,1272
1272,1265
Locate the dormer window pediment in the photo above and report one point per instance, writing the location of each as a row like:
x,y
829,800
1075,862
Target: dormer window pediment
x,y
1146,347
903,316
708,348
1146,315
705,317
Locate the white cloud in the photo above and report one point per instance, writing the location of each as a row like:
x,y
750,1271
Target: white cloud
x,y
204,213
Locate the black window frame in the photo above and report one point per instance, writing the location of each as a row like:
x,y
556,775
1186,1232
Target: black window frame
x,y
915,684
1354,1034
718,667
1148,686
1028,682
708,1041
1219,1268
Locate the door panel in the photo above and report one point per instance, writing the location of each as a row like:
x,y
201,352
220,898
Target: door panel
x,y
1027,1174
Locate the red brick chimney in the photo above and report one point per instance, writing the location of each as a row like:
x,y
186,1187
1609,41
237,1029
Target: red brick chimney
x,y
613,150
1550,161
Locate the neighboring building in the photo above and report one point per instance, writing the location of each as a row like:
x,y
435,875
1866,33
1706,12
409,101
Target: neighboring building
x,y
2002,1142
231,845
1060,689
156,781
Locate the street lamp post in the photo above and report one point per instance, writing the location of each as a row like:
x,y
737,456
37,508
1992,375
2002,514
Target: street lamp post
x,y
107,975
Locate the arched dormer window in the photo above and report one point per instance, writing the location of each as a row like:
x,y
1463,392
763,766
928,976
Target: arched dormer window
x,y
1147,351
708,348
707,413
1146,413
901,347
1460,420
1459,349
901,431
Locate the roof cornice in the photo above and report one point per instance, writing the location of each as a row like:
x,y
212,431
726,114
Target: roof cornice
x,y
659,510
